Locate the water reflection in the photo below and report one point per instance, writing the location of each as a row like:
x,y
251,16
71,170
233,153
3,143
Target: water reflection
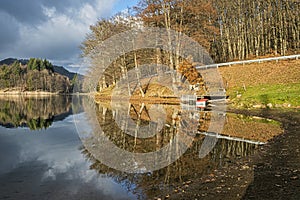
x,y
34,165
50,165
238,140
33,112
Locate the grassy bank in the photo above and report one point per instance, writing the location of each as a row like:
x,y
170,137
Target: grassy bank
x,y
266,96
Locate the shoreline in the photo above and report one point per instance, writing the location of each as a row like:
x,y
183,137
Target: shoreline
x,y
269,166
36,93
138,99
27,93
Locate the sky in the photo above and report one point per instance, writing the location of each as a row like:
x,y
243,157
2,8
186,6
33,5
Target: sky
x,y
51,29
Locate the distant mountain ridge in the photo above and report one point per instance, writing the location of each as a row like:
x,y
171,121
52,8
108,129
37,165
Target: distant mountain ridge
x,y
57,69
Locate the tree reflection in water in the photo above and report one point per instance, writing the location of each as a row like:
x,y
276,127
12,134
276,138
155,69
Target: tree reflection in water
x,y
33,112
188,167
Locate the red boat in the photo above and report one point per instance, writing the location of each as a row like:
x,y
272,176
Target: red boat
x,y
201,103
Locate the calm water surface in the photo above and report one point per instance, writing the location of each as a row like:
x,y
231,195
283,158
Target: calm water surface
x,y
42,156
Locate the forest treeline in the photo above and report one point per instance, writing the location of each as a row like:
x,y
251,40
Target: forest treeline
x,y
228,30
36,75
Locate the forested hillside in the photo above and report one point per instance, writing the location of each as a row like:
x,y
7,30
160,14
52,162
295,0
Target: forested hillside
x,y
35,75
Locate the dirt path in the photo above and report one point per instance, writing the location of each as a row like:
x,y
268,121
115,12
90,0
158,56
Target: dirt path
x,y
272,173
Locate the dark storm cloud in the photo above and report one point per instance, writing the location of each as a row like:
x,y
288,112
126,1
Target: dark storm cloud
x,y
9,31
29,12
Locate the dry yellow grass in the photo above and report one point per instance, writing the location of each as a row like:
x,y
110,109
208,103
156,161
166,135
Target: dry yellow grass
x,y
281,72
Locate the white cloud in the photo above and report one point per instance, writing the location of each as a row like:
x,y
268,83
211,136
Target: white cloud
x,y
49,12
88,14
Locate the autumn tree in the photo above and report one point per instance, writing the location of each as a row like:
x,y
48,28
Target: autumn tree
x,y
227,29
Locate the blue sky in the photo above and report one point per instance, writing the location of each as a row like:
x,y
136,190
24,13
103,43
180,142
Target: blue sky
x,y
123,4
52,29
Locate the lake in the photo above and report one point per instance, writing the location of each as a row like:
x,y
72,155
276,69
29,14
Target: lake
x,y
49,150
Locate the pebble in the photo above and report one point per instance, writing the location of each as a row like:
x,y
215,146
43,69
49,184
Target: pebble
x,y
269,105
294,178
